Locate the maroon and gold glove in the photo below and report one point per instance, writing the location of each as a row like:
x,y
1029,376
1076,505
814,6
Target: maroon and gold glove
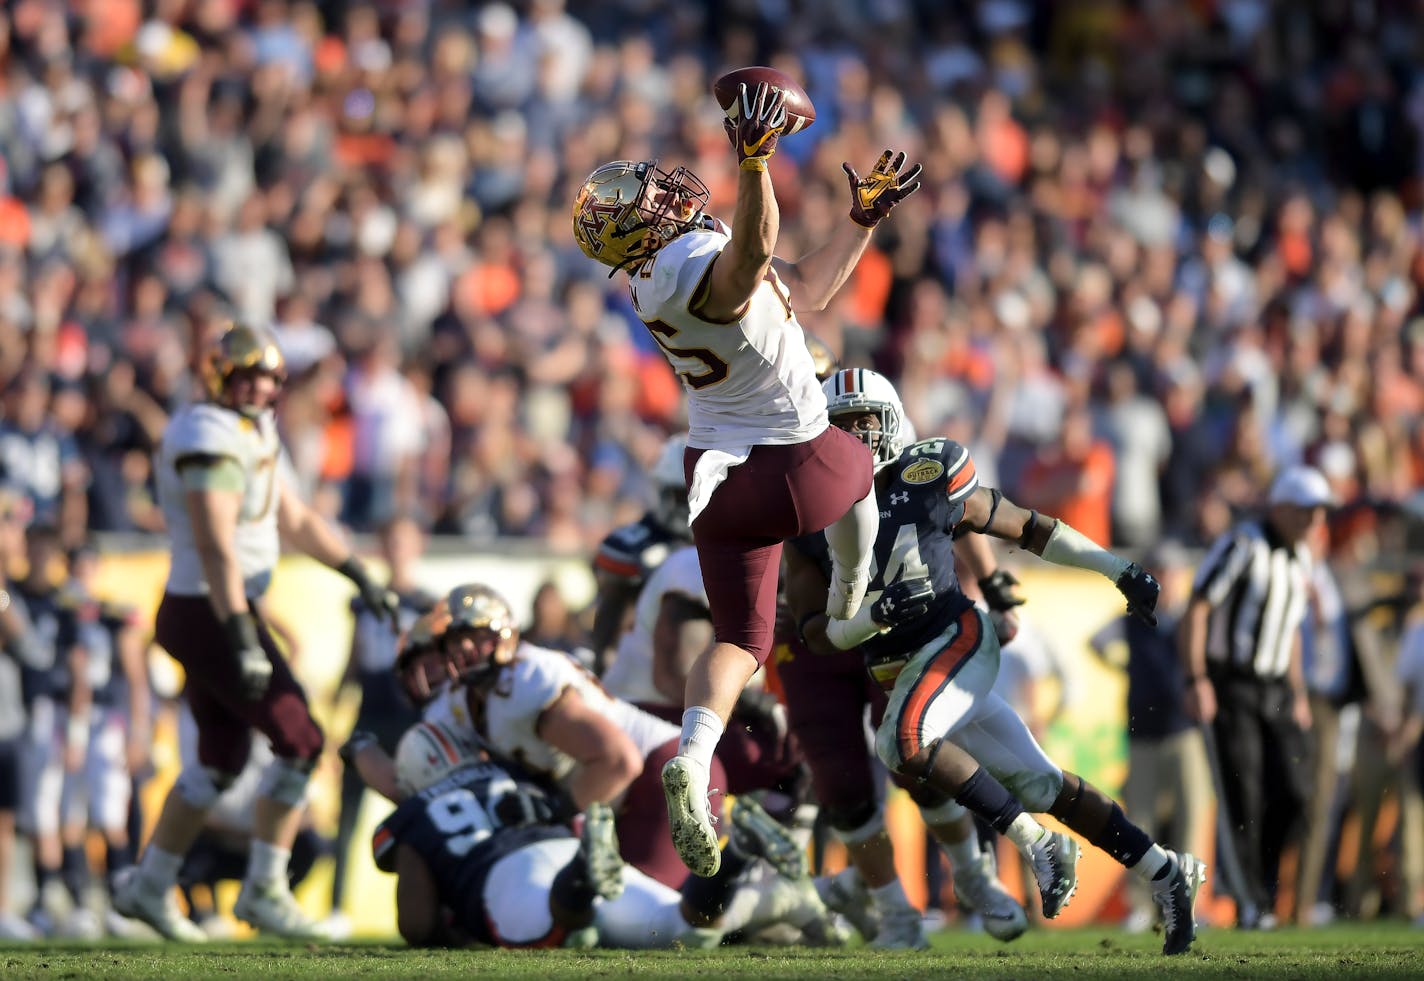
x,y
760,119
872,196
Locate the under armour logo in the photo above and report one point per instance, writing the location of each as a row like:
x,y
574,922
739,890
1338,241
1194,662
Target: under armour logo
x,y
900,497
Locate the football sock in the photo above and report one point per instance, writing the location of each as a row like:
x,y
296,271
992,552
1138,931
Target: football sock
x,y
890,896
74,870
989,799
701,730
573,888
1153,866
267,864
159,868
1025,832
1127,843
962,854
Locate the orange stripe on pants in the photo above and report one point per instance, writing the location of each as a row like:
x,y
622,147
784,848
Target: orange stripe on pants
x,y
941,670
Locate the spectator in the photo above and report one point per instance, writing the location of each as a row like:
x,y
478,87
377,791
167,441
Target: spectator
x,y
1168,784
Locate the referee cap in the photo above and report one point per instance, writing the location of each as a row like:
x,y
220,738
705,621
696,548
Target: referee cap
x,y
1301,486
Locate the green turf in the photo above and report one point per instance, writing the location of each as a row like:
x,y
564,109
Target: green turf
x,y
1348,951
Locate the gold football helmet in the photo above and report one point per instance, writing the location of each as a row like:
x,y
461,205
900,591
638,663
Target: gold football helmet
x,y
627,210
241,348
481,636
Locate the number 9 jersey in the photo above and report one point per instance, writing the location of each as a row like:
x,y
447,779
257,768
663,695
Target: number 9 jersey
x,y
463,826
750,381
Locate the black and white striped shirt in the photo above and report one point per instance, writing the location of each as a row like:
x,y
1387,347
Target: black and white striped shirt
x,y
1257,586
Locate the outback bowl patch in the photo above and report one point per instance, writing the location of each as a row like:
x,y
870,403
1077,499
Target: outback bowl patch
x,y
922,471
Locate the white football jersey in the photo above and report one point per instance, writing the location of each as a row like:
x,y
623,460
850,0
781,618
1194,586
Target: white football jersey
x,y
631,675
517,699
208,430
749,382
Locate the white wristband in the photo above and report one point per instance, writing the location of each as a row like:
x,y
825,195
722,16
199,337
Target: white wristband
x,y
1068,546
845,634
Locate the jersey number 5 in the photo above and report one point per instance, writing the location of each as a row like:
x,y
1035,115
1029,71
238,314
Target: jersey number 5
x,y
715,368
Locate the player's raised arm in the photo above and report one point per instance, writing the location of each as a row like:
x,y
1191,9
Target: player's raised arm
x,y
743,264
817,276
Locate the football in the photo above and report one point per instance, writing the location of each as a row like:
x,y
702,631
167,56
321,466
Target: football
x,y
800,113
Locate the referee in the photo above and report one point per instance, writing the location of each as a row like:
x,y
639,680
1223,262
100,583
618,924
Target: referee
x,y
1240,645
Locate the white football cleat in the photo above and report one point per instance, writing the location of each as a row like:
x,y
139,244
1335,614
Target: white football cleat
x,y
1054,860
845,893
273,909
598,845
902,928
135,898
685,789
978,888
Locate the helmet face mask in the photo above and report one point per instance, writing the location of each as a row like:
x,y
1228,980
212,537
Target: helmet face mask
x,y
481,637
627,210
858,391
242,351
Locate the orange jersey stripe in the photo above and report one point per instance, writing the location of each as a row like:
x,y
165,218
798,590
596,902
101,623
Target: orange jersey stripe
x,y
608,564
451,753
961,478
944,667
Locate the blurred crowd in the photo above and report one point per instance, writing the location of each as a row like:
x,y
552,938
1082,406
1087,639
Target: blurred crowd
x,y
1163,248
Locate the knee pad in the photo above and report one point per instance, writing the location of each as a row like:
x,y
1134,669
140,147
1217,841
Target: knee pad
x,y
856,824
200,786
1036,791
285,781
945,813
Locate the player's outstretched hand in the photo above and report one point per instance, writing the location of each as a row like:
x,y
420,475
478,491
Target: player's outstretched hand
x,y
1141,591
761,117
381,601
874,195
902,601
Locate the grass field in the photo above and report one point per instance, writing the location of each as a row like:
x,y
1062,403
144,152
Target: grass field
x,y
1349,951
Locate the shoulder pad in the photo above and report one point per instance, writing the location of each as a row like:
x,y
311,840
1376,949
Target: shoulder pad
x,y
932,460
205,429
677,269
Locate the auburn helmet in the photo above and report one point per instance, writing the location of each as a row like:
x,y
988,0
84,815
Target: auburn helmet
x,y
241,348
670,485
428,753
822,357
482,635
627,210
420,661
855,391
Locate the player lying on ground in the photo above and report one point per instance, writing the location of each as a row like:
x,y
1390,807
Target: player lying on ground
x,y
937,655
483,855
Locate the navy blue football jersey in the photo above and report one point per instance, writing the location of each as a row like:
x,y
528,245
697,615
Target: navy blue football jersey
x,y
463,825
48,675
94,625
631,552
920,507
